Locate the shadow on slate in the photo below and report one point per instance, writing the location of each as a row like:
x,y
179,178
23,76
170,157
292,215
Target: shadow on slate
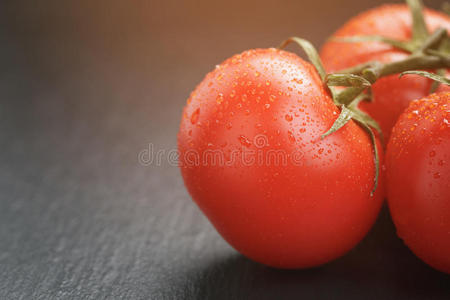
x,y
380,267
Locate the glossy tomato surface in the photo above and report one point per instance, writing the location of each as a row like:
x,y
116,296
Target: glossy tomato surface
x,y
252,159
418,170
391,94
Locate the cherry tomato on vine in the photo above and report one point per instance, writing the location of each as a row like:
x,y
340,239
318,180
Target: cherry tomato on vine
x,y
391,94
418,177
252,158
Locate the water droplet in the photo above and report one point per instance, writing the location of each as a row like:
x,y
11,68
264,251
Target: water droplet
x,y
432,153
195,115
229,125
272,98
267,105
219,98
268,82
436,175
288,118
291,136
244,97
244,141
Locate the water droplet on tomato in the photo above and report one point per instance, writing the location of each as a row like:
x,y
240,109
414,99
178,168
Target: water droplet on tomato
x,y
291,137
288,118
194,116
219,98
244,141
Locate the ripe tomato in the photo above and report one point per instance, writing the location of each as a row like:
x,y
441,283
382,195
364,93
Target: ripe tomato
x,y
253,160
391,94
418,170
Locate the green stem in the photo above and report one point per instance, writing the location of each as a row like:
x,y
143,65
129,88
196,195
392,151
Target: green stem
x,y
414,62
433,40
419,28
372,71
358,69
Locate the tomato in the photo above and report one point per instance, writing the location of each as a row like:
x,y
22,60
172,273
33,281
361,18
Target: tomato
x,y
252,158
391,94
418,173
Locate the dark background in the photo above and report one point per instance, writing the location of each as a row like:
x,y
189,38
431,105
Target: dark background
x,y
84,87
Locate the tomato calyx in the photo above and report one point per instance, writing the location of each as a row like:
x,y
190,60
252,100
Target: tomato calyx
x,y
420,35
427,50
347,99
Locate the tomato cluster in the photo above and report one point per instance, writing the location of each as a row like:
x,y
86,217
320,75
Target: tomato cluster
x,y
254,158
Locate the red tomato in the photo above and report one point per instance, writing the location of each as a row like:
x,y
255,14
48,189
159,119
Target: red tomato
x,y
391,94
301,201
418,170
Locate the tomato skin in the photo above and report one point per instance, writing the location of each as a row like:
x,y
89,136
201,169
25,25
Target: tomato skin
x,y
391,94
286,215
418,176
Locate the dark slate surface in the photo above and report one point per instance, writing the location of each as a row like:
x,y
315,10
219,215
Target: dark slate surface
x,y
84,88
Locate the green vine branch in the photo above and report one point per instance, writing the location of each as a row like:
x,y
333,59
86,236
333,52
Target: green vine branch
x,y
428,51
